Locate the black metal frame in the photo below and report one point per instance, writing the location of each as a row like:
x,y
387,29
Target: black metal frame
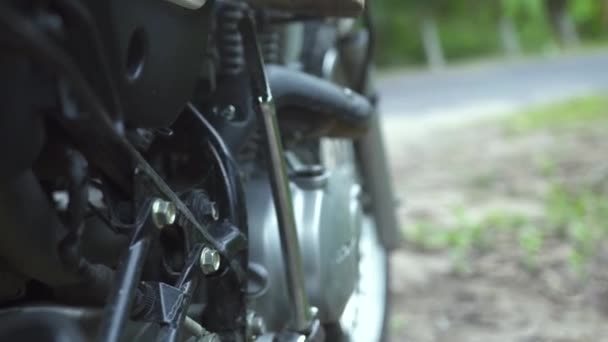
x,y
120,303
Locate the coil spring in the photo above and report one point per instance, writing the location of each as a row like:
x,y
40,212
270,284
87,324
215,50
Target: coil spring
x,y
249,153
270,44
230,42
269,40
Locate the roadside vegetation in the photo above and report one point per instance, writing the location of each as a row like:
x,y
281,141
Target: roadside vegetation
x,y
556,167
569,115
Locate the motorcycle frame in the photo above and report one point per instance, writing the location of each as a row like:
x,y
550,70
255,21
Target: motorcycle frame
x,y
99,137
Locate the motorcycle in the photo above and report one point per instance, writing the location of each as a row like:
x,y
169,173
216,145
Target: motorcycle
x,y
191,170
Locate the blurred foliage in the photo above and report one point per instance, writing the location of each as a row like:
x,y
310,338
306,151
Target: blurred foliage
x,y
576,217
469,28
579,111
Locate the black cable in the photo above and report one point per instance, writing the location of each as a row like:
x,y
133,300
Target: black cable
x,y
69,247
95,279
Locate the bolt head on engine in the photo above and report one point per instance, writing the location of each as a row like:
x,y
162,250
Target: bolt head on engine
x,y
209,260
163,213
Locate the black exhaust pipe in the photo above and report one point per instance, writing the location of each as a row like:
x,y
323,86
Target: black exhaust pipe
x,y
317,107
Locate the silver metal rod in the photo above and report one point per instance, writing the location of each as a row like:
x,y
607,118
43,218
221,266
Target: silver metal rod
x,y
281,193
285,217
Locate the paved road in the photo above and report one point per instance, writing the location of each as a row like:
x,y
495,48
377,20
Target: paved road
x,y
492,88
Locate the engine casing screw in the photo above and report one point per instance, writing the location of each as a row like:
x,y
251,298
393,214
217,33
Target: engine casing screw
x,y
163,213
209,260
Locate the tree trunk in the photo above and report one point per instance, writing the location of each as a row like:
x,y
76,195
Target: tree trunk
x,y
508,36
562,24
431,41
604,14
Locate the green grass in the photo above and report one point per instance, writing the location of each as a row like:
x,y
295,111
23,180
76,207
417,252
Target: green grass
x,y
578,218
531,240
468,234
579,111
397,322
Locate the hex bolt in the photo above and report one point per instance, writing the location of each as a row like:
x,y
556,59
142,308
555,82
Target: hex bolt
x,y
255,324
163,213
229,112
209,260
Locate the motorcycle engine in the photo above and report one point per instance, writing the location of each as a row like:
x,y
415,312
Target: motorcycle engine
x,y
328,215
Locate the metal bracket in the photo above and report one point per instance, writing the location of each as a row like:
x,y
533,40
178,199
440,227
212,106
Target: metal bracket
x,y
163,303
129,271
170,303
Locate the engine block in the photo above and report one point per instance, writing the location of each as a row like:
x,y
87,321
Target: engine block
x,y
328,216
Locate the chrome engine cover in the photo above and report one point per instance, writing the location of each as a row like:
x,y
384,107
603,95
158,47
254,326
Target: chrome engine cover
x,y
328,216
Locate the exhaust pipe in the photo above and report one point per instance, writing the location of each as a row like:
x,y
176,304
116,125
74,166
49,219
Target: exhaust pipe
x,y
317,107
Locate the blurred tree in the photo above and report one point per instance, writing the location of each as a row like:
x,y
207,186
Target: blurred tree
x,y
506,28
516,7
429,31
562,25
433,31
590,16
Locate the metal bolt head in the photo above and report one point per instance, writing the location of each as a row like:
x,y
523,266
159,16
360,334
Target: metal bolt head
x,y
209,260
258,325
255,324
229,112
163,213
